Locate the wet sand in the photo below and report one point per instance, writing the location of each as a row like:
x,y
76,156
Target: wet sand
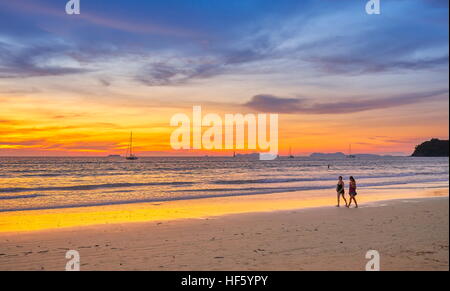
x,y
409,234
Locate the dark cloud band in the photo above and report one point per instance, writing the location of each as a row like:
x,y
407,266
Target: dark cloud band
x,y
270,103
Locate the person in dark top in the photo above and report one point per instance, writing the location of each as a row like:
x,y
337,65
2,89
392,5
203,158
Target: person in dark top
x,y
340,189
352,192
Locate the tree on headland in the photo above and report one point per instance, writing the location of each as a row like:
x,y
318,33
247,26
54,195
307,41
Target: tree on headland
x,y
432,148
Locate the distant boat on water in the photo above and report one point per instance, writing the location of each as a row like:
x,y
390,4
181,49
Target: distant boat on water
x,y
129,155
350,156
113,156
290,153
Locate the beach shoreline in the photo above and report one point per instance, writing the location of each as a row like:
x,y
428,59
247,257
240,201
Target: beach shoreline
x,y
38,220
410,234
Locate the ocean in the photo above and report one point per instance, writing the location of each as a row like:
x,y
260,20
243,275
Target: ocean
x,y
36,183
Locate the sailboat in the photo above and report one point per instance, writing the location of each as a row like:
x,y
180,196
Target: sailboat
x,y
129,155
290,153
350,152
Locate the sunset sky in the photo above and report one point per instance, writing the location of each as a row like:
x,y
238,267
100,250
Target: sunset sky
x,y
78,84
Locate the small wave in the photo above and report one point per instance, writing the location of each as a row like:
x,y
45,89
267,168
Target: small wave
x,y
20,197
258,189
42,175
239,192
93,187
265,181
406,187
290,180
123,202
305,188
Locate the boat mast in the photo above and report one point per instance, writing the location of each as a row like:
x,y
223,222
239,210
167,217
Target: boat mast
x,y
131,144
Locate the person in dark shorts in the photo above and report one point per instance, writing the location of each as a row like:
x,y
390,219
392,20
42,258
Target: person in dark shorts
x,y
340,189
352,192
